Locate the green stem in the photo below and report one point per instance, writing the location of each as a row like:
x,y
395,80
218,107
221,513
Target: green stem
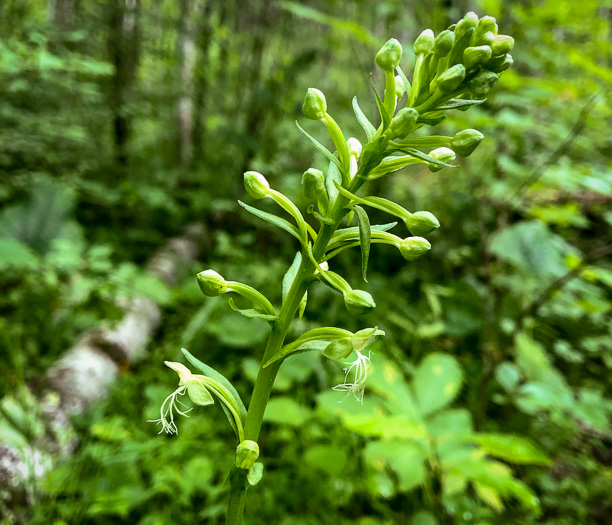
x,y
266,376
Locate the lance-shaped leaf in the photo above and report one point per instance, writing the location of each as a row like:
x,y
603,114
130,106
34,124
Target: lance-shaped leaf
x,y
367,126
455,103
514,449
320,148
391,165
386,119
252,312
274,219
423,156
365,236
325,334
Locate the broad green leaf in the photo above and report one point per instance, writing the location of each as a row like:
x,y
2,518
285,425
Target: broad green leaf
x,y
401,457
365,238
14,254
437,381
320,148
285,411
273,219
510,448
328,458
252,312
367,126
289,276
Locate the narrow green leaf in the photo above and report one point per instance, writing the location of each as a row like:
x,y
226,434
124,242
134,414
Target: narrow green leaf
x,y
365,237
273,219
455,103
367,126
430,120
423,156
456,54
289,276
355,229
386,120
320,148
252,312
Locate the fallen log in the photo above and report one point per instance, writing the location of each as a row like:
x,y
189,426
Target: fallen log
x,y
83,374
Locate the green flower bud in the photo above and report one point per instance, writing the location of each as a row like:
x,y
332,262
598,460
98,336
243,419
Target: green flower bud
x,y
246,454
502,44
389,55
486,24
256,185
413,247
424,42
422,223
443,43
211,283
339,349
451,78
354,147
400,88
314,106
403,123
475,56
486,39
442,154
482,83
358,302
465,142
313,183
469,21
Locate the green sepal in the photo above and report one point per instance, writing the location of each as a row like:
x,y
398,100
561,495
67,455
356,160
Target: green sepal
x,y
321,218
289,276
252,313
320,148
220,378
455,103
274,219
384,116
365,238
255,474
423,156
199,394
367,126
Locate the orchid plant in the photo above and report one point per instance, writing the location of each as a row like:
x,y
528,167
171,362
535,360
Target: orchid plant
x,y
452,71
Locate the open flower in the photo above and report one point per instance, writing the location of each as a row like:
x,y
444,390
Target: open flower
x,y
169,406
360,368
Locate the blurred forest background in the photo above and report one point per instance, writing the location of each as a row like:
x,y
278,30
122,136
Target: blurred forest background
x,y
126,123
